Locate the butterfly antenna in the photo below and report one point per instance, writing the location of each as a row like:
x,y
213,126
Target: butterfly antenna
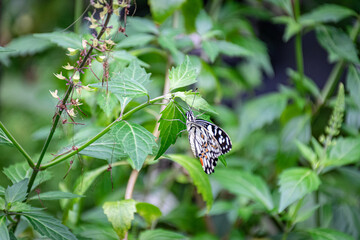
x,y
192,104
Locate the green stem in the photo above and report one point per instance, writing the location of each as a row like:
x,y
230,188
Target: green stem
x,y
77,14
62,158
17,145
298,42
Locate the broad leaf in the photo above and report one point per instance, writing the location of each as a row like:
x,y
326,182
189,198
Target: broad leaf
x,y
107,102
167,41
136,141
170,126
297,129
203,23
295,183
143,25
4,140
162,9
17,172
2,191
160,234
261,111
194,101
200,179
137,40
48,226
292,26
54,195
148,211
4,232
19,207
120,214
328,234
307,153
17,192
245,184
326,13
231,49
337,43
345,151
211,48
62,39
353,84
183,75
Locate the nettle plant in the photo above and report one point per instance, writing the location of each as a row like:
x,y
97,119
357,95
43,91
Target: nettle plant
x,y
128,86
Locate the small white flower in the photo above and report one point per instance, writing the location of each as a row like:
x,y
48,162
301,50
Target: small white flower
x,y
59,76
71,112
68,67
54,94
72,51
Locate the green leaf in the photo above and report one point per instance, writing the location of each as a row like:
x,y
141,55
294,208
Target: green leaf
x,y
142,25
4,140
245,184
48,226
183,75
298,128
2,204
107,102
22,46
148,211
137,40
160,234
167,41
231,49
19,207
17,172
353,84
2,191
211,49
4,232
2,50
62,39
136,141
16,192
295,183
345,151
190,11
162,9
326,13
170,127
55,195
203,23
195,101
261,111
292,27
200,179
120,214
307,153
337,44
328,234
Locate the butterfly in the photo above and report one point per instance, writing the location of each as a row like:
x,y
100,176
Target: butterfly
x,y
207,141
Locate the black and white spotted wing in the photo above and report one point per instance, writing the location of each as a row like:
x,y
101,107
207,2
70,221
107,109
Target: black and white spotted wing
x,y
207,141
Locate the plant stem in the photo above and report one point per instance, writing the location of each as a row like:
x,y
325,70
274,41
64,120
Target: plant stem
x,y
298,42
62,158
131,184
77,14
17,145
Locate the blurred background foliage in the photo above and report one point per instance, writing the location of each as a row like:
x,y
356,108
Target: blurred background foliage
x,y
270,73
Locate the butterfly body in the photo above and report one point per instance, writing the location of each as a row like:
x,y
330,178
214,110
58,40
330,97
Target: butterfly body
x,y
207,141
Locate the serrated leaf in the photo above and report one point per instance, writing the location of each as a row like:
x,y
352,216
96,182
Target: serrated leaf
x,y
328,234
169,127
326,13
245,184
337,44
120,214
25,45
4,140
297,129
4,232
136,141
211,49
48,226
232,50
137,40
345,151
162,9
125,56
62,39
19,207
295,183
183,75
17,172
261,111
200,179
160,234
107,102
55,195
148,211
16,192
195,101
167,41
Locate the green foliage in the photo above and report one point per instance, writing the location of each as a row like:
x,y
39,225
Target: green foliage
x,y
121,88
120,214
